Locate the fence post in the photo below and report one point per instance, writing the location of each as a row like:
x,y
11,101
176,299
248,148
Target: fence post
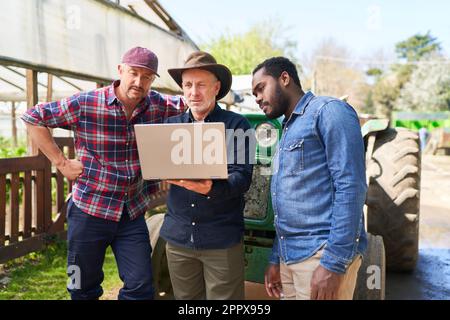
x,y
2,209
32,100
47,194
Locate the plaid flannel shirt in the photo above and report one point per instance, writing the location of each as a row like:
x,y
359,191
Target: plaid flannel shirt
x,y
105,143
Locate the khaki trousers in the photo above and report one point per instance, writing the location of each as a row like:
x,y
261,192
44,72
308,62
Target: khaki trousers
x,y
296,278
206,274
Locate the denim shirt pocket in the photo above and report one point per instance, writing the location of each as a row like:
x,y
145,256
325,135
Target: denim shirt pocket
x,y
293,156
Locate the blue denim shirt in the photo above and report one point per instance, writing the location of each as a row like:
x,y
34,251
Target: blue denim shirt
x,y
318,185
216,220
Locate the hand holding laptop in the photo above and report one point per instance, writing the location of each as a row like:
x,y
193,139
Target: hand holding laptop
x,y
202,186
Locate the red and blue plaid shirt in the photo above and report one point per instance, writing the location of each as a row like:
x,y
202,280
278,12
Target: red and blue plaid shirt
x,y
105,143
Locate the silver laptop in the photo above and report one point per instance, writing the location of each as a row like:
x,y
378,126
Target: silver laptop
x,y
182,150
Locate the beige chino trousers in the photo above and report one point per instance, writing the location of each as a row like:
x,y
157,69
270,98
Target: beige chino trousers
x,y
296,278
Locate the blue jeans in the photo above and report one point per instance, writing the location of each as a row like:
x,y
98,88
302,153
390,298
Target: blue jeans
x,y
88,238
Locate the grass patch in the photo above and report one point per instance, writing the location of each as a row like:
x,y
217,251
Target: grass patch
x,y
42,275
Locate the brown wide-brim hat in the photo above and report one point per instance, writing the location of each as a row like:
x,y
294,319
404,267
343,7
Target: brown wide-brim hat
x,y
205,61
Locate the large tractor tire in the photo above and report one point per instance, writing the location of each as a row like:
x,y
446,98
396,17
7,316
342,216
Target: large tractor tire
x,y
371,281
393,198
161,276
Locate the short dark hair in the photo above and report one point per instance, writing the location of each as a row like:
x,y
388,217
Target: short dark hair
x,y
276,66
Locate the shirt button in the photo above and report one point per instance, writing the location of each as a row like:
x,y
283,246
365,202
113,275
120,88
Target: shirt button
x,y
126,160
281,237
193,223
273,193
208,197
192,205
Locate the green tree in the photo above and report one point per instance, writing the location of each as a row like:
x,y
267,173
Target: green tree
x,y
416,47
243,52
385,93
374,72
388,87
412,50
428,88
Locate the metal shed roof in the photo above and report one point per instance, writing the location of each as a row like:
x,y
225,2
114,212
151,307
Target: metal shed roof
x,y
85,39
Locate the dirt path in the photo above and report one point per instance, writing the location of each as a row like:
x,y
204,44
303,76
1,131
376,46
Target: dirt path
x,y
431,279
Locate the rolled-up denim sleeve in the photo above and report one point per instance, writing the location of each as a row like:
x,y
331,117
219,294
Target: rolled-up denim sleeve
x,y
63,113
339,130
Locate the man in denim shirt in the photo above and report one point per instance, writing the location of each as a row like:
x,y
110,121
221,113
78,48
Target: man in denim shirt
x,y
318,188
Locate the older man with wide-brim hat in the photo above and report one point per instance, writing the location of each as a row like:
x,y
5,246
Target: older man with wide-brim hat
x,y
204,61
204,223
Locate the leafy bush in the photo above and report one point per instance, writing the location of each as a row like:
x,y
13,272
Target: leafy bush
x,y
8,150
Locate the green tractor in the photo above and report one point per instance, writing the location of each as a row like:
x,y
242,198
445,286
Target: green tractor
x,y
392,208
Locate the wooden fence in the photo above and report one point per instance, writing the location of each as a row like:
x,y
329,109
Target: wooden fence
x,y
27,217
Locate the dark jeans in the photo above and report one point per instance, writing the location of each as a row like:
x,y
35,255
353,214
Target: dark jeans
x,y
88,238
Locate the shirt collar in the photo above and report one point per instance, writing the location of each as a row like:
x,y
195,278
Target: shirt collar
x,y
112,99
304,101
301,106
211,117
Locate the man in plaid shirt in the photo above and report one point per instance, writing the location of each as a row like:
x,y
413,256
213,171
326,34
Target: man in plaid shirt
x,y
109,195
